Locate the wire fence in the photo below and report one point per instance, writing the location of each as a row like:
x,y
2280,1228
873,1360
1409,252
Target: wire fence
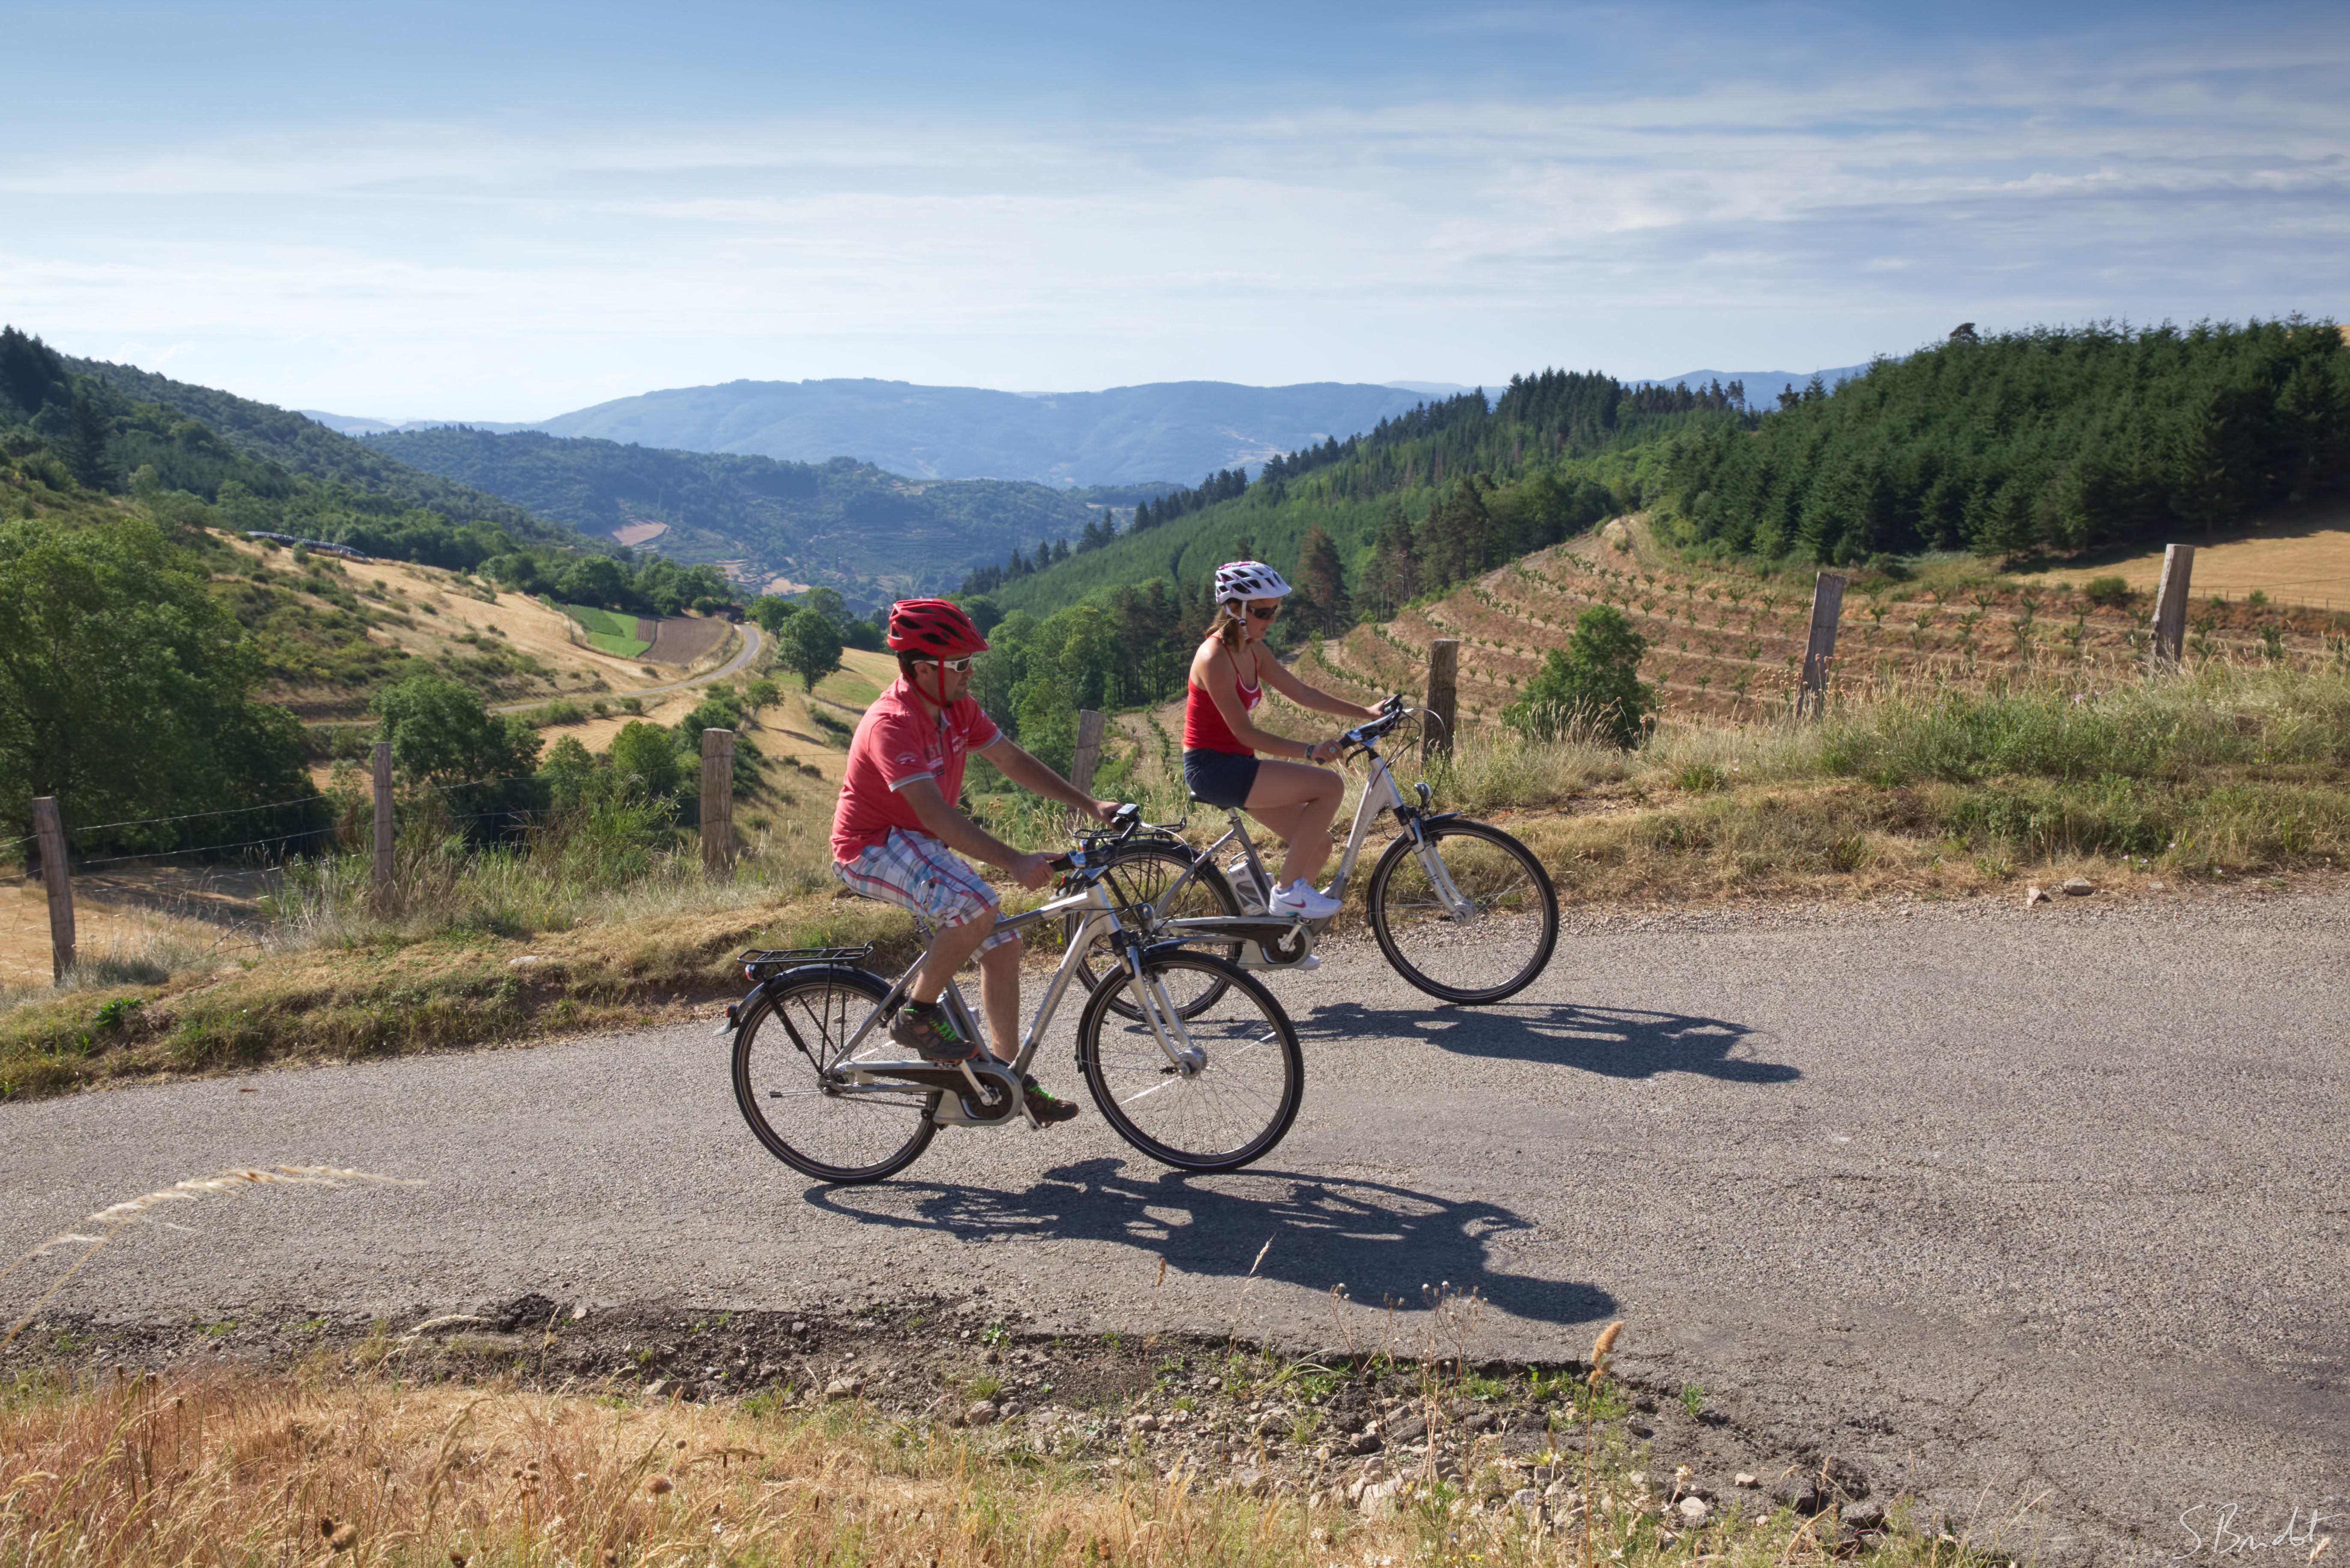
x,y
321,843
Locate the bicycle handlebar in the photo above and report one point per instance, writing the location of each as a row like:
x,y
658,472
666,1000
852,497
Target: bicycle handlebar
x,y
1391,712
1124,822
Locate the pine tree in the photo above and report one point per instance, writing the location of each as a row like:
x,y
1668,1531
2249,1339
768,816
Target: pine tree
x,y
1395,576
1322,584
86,453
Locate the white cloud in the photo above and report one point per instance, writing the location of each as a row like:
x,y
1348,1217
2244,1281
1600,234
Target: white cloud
x,y
438,269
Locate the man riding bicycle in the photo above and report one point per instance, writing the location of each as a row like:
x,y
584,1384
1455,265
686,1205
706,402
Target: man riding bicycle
x,y
895,829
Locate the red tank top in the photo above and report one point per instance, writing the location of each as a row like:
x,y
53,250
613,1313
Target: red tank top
x,y
1204,728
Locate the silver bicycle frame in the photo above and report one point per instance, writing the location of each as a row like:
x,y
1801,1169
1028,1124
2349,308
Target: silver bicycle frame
x,y
1166,1023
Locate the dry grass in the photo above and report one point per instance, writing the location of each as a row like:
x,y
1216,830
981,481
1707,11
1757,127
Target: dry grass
x,y
320,1464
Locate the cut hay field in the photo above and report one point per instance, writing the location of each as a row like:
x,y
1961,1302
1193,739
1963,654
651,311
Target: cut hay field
x,y
2301,558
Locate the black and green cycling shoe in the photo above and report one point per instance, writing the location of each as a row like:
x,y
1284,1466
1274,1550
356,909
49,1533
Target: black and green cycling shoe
x,y
1044,1105
929,1031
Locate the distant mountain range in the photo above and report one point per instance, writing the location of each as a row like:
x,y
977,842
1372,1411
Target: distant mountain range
x,y
1176,432
773,525
1164,431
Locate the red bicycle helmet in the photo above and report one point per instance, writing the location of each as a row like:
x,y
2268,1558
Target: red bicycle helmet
x,y
933,629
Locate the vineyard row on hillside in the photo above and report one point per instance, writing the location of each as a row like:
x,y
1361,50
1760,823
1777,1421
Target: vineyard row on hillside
x,y
1725,645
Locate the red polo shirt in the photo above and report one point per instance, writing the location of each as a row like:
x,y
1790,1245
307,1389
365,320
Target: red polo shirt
x,y
896,743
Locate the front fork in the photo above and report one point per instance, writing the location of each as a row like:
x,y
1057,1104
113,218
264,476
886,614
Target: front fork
x,y
1159,1010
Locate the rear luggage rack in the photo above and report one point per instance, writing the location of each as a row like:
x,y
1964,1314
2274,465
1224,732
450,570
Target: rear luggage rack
x,y
764,963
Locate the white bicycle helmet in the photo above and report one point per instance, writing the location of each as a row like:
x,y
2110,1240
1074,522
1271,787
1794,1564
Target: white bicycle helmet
x,y
1238,580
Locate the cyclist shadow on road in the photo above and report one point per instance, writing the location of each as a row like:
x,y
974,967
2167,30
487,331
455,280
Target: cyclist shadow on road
x,y
1616,1042
1381,1241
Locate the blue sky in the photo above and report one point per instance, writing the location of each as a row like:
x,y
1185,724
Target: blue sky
x,y
507,211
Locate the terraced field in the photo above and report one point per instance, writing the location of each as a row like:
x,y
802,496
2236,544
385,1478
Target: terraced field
x,y
1729,645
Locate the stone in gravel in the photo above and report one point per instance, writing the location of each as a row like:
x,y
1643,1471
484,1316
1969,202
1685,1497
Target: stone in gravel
x,y
2034,896
1744,1479
1248,1478
2077,887
1411,1429
1365,1443
842,1389
981,1413
1527,1497
654,1389
1862,1515
1693,1509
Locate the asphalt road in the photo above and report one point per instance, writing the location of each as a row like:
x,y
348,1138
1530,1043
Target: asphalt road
x,y
2000,1205
741,661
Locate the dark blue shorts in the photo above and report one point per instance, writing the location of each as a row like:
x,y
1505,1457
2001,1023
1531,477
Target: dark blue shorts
x,y
1219,778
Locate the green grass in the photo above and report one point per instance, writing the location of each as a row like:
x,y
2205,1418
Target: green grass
x,y
608,632
849,689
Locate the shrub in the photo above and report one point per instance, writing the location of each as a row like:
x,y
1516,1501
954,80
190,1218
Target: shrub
x,y
2106,591
1593,684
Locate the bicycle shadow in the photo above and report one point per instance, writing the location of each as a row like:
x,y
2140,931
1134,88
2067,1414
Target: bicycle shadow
x,y
1316,1231
1615,1042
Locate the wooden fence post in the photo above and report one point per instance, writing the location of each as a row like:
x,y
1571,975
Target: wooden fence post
x,y
718,802
1827,606
2171,607
56,876
383,825
1088,751
1443,694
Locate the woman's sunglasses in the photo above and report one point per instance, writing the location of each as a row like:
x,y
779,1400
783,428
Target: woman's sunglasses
x,y
1266,612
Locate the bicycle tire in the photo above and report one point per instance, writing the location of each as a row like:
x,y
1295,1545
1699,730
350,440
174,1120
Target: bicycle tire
x,y
1138,872
1250,1091
799,1027
1493,870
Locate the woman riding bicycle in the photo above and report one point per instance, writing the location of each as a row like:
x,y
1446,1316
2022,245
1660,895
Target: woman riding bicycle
x,y
1229,675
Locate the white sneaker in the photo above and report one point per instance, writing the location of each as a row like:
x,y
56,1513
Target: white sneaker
x,y
1299,901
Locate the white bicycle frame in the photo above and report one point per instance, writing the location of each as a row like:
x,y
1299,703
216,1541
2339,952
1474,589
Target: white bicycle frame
x,y
869,1079
1380,794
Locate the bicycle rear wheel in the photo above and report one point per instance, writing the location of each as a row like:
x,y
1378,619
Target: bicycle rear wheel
x,y
1493,950
1235,1093
1140,872
788,1051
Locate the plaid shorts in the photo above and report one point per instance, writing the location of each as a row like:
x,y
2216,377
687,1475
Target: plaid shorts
x,y
918,873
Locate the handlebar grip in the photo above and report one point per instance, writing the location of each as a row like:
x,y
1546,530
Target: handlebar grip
x,y
1060,863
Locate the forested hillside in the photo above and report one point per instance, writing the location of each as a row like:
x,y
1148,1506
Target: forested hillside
x,y
1424,500
843,523
302,446
2054,440
1427,498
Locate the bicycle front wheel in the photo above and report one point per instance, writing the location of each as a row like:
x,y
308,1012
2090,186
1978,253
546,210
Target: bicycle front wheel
x,y
1230,1091
790,1051
1143,872
1468,915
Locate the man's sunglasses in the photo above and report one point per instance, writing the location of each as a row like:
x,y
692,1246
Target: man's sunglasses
x,y
960,666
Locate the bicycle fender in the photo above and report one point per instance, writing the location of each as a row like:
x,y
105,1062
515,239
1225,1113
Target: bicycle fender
x,y
737,1010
